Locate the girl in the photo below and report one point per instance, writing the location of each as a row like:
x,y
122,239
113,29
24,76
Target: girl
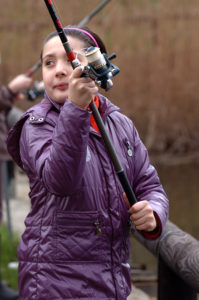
x,y
76,242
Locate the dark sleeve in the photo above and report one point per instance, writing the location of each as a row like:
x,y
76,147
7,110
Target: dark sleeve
x,y
6,98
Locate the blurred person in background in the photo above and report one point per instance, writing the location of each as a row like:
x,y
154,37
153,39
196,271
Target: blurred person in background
x,y
9,94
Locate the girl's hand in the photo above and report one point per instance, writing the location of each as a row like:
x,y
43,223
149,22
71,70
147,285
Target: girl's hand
x,y
81,90
141,214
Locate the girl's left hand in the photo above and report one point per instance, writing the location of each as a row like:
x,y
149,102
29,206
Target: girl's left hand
x,y
141,214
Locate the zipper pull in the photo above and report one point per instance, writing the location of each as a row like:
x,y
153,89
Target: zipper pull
x,y
98,230
129,150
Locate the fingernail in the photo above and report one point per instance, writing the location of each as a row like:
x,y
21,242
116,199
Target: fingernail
x,y
82,68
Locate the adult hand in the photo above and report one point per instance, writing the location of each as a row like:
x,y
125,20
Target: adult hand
x,y
20,83
142,215
81,90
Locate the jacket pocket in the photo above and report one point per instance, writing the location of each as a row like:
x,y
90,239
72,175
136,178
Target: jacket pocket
x,y
79,236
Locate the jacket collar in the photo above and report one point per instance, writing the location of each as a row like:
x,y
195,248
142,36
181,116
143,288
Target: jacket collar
x,y
55,104
105,107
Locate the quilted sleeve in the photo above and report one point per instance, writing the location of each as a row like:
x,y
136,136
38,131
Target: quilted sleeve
x,y
147,184
57,154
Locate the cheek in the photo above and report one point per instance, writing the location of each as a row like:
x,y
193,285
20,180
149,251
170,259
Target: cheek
x,y
46,78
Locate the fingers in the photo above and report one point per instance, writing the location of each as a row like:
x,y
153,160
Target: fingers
x,y
84,85
75,77
19,96
126,200
77,72
19,83
145,223
139,206
81,89
141,214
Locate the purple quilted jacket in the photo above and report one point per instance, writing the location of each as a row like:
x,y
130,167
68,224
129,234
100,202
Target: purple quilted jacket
x,y
76,242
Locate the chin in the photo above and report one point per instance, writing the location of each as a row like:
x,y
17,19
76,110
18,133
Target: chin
x,y
61,101
60,98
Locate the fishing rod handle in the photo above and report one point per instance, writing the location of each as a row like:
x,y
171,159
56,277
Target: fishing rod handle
x,y
127,187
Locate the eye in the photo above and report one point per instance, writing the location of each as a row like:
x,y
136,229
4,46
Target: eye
x,y
49,62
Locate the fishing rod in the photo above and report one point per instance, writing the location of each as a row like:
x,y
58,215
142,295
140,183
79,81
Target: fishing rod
x,y
103,75
33,69
38,89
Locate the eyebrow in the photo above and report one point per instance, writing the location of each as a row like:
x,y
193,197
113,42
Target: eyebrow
x,y
48,56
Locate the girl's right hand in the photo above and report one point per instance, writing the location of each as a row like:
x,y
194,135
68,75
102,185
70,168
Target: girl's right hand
x,y
81,90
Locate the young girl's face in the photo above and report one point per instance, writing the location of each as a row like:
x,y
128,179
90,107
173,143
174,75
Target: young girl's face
x,y
56,67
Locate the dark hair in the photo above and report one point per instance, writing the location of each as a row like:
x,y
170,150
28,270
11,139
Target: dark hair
x,y
79,34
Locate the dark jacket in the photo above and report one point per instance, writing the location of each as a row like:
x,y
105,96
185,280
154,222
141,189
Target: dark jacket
x,y
6,102
76,242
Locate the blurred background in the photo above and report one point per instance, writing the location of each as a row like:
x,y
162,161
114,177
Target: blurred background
x,y
157,47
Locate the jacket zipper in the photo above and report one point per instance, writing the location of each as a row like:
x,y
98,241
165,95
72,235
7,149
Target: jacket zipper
x,y
96,224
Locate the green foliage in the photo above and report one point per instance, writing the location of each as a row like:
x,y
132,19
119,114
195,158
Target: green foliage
x,y
8,253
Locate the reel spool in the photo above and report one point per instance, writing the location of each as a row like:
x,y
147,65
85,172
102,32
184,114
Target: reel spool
x,y
100,68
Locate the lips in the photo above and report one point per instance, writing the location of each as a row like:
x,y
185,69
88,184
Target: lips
x,y
61,86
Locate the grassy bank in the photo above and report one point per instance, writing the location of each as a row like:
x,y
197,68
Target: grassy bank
x,y
8,253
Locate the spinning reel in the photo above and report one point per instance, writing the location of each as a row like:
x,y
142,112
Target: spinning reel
x,y
99,67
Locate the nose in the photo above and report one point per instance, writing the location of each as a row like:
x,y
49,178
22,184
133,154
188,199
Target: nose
x,y
63,68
